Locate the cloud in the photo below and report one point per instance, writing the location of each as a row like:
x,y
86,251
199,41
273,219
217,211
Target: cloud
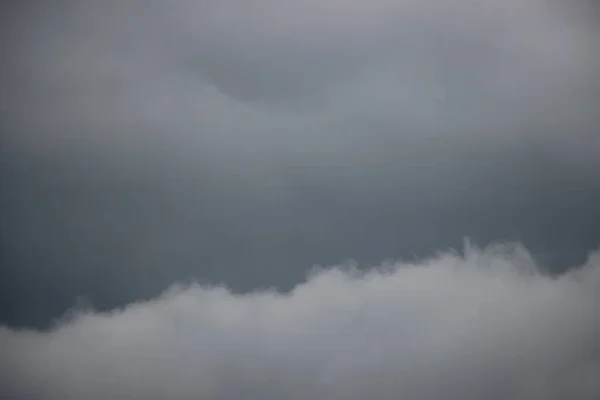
x,y
263,87
235,78
488,324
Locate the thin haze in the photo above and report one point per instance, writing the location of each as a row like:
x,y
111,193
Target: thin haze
x,y
241,142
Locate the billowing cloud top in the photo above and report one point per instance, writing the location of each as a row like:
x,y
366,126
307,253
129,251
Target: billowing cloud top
x,y
486,325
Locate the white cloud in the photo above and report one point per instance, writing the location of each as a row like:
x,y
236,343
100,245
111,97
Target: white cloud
x,y
486,325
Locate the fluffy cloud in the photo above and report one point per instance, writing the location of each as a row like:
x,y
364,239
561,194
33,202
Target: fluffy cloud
x,y
487,324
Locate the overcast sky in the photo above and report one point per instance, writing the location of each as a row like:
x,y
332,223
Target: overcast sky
x,y
241,142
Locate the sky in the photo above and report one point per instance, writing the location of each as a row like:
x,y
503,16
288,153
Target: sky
x,y
235,147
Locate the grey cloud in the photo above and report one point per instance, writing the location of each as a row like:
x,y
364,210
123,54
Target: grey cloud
x,y
369,83
486,325
219,69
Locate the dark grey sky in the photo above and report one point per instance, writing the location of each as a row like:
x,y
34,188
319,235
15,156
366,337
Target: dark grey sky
x,y
242,142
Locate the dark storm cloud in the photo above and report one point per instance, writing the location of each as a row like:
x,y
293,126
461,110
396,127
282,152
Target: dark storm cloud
x,y
486,325
147,142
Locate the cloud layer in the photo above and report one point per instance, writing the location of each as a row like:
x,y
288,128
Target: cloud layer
x,y
237,78
487,324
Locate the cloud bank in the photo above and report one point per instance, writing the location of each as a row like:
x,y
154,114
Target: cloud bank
x,y
486,324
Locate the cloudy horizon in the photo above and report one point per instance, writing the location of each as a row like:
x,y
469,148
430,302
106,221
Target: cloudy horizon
x,y
484,324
